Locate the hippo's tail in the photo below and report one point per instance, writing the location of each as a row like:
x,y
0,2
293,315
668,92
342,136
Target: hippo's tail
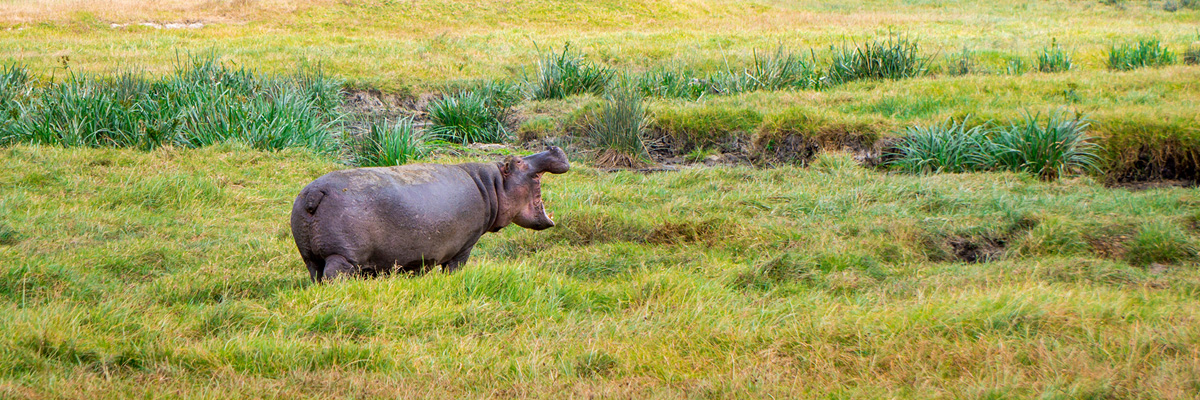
x,y
312,199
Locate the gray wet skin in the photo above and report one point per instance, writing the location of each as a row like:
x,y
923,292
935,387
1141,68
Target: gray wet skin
x,y
371,220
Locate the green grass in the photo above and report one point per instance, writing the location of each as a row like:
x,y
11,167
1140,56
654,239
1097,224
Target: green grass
x,y
617,130
201,104
431,43
779,71
171,273
1143,53
1016,66
1192,55
1054,59
387,144
690,125
467,117
894,58
1061,147
951,146
668,82
965,63
564,74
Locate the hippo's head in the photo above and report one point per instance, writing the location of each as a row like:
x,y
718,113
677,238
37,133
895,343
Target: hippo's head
x,y
523,186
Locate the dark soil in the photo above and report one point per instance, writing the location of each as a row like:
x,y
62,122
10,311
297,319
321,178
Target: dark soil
x,y
1109,243
373,103
789,149
976,250
1151,166
1153,184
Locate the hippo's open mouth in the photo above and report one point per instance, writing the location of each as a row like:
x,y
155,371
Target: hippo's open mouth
x,y
545,210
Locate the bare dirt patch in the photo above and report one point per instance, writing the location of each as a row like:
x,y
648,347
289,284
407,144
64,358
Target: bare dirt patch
x,y
1157,184
977,249
1108,244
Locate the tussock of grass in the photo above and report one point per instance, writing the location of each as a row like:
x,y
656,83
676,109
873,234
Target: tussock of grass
x,y
1192,55
617,130
388,144
1143,53
962,63
467,117
564,74
894,58
1060,147
952,146
1016,66
1054,59
673,83
15,89
1161,242
779,71
202,104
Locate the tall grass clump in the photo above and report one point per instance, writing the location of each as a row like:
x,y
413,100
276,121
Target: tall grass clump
x,y
1049,150
962,63
895,58
1016,66
617,129
220,104
388,144
952,146
673,83
778,71
501,96
467,117
94,111
1054,59
15,90
1161,242
564,74
1192,55
1056,148
1143,53
202,103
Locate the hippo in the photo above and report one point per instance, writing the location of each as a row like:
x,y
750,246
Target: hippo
x,y
372,220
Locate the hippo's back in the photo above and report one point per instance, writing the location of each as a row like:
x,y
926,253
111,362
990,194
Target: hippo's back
x,y
420,213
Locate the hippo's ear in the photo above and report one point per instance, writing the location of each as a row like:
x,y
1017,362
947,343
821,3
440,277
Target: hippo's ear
x,y
553,160
513,164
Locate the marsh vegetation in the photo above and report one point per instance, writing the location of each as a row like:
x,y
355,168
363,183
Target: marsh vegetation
x,y
901,199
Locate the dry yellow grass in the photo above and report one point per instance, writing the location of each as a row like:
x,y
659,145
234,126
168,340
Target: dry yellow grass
x,y
401,44
125,11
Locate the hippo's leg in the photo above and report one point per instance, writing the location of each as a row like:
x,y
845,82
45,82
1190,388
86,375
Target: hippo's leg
x,y
336,266
314,270
458,260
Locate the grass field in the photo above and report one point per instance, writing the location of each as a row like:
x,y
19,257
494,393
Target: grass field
x,y
410,45
145,250
172,273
